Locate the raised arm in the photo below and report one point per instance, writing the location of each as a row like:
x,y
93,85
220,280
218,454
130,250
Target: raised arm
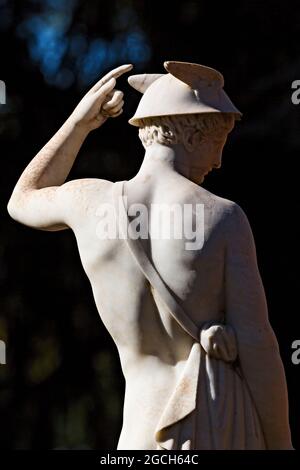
x,y
40,198
246,311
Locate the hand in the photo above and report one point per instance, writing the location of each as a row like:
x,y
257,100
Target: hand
x,y
219,341
101,101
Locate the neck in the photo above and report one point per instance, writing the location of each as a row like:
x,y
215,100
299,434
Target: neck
x,y
160,160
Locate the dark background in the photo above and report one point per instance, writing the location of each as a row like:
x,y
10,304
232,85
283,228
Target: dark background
x,y
62,386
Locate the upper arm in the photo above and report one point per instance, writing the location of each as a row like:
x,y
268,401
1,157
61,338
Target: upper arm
x,y
246,306
53,208
258,350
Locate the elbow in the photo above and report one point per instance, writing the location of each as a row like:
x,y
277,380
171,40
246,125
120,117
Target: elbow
x,y
17,205
11,209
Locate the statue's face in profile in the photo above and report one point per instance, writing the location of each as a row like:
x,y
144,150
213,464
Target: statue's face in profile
x,y
208,155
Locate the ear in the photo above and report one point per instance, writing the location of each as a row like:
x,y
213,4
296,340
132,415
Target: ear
x,y
189,141
143,81
193,140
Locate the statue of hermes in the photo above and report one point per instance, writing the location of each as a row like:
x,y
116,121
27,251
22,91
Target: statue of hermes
x,y
189,317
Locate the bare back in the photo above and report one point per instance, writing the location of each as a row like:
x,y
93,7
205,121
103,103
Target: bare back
x,y
142,328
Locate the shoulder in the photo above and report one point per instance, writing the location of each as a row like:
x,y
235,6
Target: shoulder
x,y
86,184
80,199
83,190
237,230
234,227
227,210
232,218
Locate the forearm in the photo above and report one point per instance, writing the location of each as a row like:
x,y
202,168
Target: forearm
x,y
51,166
263,371
40,198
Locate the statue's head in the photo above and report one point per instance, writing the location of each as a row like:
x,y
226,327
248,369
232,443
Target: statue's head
x,y
187,106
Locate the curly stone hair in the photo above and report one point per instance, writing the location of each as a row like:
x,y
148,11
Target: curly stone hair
x,y
177,129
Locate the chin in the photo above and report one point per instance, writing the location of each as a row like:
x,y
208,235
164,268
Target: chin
x,y
198,180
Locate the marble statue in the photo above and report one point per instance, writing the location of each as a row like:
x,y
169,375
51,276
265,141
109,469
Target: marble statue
x,y
190,322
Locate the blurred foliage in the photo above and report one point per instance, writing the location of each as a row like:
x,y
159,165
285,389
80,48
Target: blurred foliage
x,y
62,386
59,41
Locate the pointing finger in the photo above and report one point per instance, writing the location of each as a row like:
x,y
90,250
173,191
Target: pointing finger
x,y
115,73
